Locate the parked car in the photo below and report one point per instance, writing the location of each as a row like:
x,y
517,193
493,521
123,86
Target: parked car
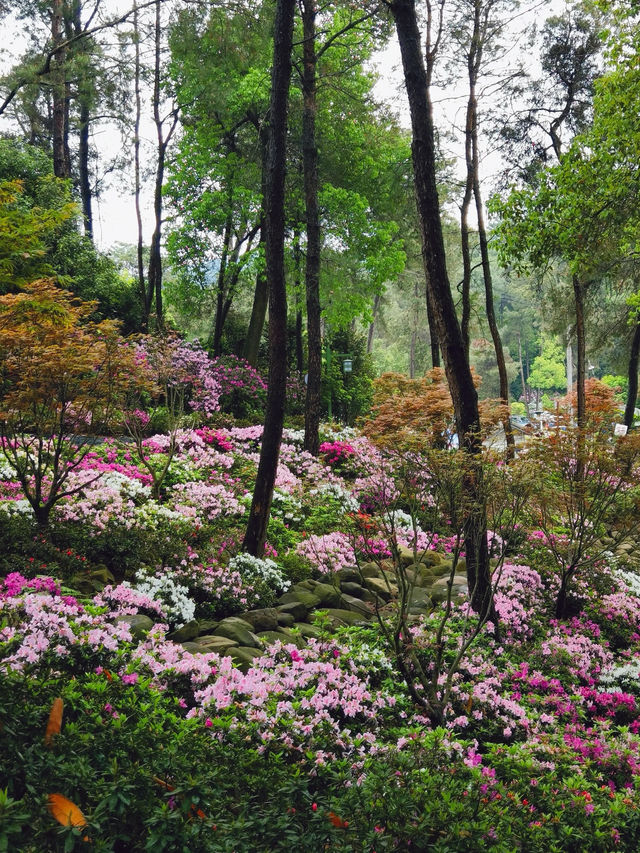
x,y
520,423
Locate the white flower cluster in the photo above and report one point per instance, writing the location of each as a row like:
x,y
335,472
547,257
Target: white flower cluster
x,y
624,677
15,508
151,513
630,579
255,570
370,660
7,472
287,507
334,490
173,597
118,482
293,436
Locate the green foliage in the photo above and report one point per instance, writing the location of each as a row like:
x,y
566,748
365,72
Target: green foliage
x,y
518,408
351,393
547,370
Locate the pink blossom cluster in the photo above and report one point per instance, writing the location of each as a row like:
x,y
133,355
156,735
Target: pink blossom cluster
x,y
328,553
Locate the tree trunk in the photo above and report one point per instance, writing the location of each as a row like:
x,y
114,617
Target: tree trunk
x,y
439,297
142,287
274,250
433,337
578,292
312,269
261,292
632,395
59,95
372,324
83,142
525,390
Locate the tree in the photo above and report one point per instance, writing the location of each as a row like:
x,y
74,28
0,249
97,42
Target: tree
x,y
255,534
61,374
440,300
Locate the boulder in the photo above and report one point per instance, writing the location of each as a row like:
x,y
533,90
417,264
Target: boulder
x,y
215,643
385,589
270,637
285,620
305,596
353,588
238,630
295,610
307,630
346,617
265,619
356,605
349,575
329,596
371,570
140,625
243,656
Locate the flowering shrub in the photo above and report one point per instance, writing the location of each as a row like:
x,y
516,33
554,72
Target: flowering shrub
x,y
328,553
262,576
243,392
177,607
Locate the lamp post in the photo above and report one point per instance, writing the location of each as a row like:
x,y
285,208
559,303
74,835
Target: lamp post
x,y
347,367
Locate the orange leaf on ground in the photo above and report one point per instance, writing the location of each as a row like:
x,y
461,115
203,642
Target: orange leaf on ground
x,y
54,723
65,812
337,821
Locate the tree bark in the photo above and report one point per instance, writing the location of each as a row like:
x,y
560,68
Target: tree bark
x,y
255,534
634,357
439,297
59,95
312,268
578,293
261,292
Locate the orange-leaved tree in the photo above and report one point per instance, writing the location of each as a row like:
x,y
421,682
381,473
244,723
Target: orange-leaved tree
x,y
419,412
61,374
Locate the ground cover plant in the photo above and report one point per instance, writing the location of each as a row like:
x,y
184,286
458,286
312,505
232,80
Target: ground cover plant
x,y
126,723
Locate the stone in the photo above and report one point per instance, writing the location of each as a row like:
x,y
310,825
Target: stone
x,y
385,589
305,596
329,596
243,656
285,620
140,625
294,637
353,588
349,575
346,617
187,632
371,570
430,558
265,619
307,630
194,648
270,637
294,609
238,630
215,643
406,555
208,626
356,605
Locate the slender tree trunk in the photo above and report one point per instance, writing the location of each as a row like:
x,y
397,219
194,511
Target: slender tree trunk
x,y
83,169
312,269
372,324
154,277
142,287
59,95
433,337
525,390
261,292
578,292
465,320
457,369
632,395
221,280
274,249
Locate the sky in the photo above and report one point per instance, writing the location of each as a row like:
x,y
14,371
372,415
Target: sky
x,y
114,211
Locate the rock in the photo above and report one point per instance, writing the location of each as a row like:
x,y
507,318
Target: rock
x,y
265,619
329,596
305,596
346,617
371,570
270,637
353,588
385,589
295,610
406,555
238,630
349,575
195,648
140,625
285,620
356,605
294,637
208,626
420,600
215,643
243,656
430,558
307,630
